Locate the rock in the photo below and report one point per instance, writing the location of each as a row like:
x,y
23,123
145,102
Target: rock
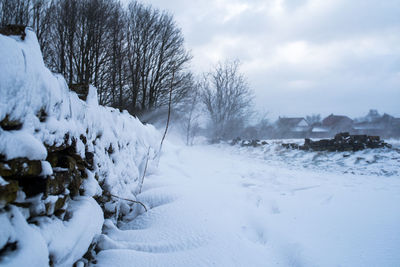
x,y
33,186
14,29
20,167
67,147
10,125
8,192
53,206
57,183
53,158
60,202
341,142
83,139
110,149
9,247
66,161
42,115
89,156
75,185
235,141
81,89
291,146
252,143
341,136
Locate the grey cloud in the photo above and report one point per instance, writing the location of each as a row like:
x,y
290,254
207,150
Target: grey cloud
x,y
309,57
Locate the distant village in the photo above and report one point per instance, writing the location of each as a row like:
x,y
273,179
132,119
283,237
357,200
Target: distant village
x,y
373,124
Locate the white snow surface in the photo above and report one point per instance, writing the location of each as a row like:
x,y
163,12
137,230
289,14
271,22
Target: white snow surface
x,y
31,247
380,162
223,206
68,239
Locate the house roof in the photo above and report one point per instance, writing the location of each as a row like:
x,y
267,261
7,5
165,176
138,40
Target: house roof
x,y
290,122
336,120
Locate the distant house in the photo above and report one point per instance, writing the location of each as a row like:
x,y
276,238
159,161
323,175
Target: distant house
x,y
396,127
385,125
292,127
337,123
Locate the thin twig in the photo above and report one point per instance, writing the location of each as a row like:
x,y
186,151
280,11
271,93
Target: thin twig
x,y
134,201
144,172
169,110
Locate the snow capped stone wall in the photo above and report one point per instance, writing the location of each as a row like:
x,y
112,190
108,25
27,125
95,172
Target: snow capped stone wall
x,y
57,155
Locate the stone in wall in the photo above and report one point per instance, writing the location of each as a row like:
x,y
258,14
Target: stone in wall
x,y
341,142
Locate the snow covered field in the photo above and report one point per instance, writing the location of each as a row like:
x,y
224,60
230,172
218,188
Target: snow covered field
x,y
225,206
380,162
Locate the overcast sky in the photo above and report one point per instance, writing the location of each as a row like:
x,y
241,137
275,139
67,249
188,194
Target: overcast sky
x,y
301,56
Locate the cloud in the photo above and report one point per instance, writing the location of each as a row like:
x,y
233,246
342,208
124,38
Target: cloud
x,y
301,56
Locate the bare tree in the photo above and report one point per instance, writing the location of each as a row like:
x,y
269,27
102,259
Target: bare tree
x,y
228,100
15,12
191,115
155,51
313,119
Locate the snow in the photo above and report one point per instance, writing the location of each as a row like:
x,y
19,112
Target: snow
x,y
19,144
21,75
381,162
91,186
66,240
210,206
320,130
46,168
31,249
3,182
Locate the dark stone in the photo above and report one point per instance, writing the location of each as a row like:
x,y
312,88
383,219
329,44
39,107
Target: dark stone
x,y
110,149
20,167
33,186
81,89
53,159
89,156
248,143
14,29
10,125
57,183
341,142
9,247
8,192
235,141
75,184
83,139
52,208
66,161
42,115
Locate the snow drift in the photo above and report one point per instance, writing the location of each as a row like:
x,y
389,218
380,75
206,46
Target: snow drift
x,y
45,126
